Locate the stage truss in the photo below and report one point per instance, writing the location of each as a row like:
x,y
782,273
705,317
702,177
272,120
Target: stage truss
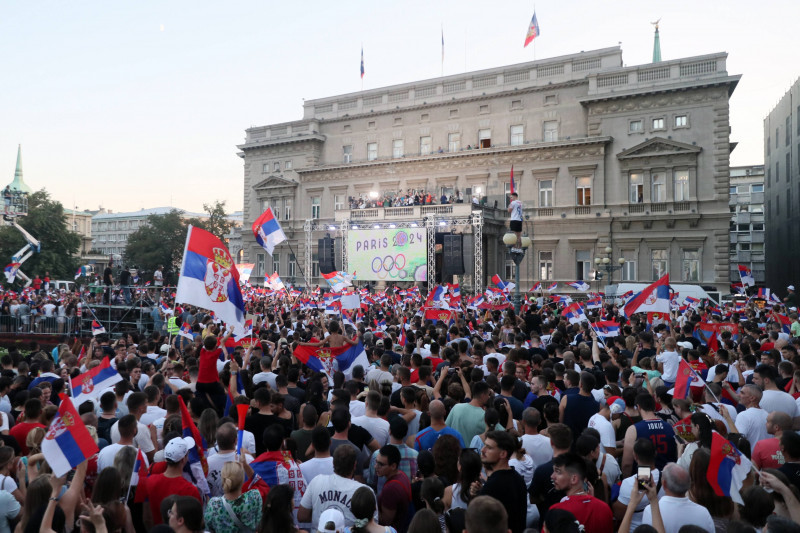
x,y
430,223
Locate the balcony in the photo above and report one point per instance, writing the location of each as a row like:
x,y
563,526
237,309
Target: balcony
x,y
415,212
659,208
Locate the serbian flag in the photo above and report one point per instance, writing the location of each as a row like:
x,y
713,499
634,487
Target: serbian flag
x,y
536,287
241,411
67,443
90,384
198,453
442,315
230,399
594,303
574,313
79,272
552,287
728,468
402,340
763,293
139,468
247,332
579,285
606,328
97,328
506,286
165,308
687,378
339,280
512,187
267,231
362,62
11,271
655,297
654,319
747,276
691,302
186,331
209,278
785,321
322,359
82,354
533,31
707,333
437,297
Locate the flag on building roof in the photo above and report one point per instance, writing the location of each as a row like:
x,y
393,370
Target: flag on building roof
x,y
267,231
209,278
746,275
362,59
67,442
655,297
533,31
579,285
97,328
91,383
728,468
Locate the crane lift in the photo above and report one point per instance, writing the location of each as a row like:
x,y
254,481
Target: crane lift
x,y
18,207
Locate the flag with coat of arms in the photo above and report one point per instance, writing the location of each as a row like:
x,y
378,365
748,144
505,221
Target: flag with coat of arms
x,y
67,442
268,231
91,383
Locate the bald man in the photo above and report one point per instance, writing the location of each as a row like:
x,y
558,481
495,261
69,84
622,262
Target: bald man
x,y
752,422
767,452
428,436
676,508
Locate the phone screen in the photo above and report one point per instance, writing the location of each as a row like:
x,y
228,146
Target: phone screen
x,y
643,476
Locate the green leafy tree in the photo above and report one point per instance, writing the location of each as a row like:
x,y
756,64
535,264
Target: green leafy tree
x,y
217,222
159,242
45,222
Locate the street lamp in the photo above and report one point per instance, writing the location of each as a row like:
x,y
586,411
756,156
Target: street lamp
x,y
517,255
607,264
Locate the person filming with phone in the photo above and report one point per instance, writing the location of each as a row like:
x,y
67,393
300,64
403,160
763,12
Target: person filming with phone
x,y
644,453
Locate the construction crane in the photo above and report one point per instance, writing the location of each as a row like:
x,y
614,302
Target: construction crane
x,y
16,205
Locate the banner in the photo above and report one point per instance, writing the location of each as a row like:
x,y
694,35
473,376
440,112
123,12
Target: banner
x,y
388,254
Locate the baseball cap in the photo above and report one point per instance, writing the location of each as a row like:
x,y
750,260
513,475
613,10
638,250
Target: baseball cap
x,y
790,287
686,344
164,348
331,521
177,448
616,405
379,342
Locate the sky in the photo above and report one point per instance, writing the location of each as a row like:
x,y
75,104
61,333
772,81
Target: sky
x,y
131,105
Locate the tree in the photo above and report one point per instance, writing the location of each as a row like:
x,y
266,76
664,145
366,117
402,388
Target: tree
x,y
158,242
217,222
45,221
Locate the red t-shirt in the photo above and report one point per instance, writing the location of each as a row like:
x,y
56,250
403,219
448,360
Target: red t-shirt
x,y
767,454
595,515
20,433
435,361
208,366
158,486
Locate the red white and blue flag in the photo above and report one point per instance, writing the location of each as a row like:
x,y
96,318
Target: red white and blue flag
x,y
763,292
91,383
512,186
139,468
437,297
339,280
606,328
579,285
655,297
186,331
574,313
209,278
97,328
505,286
247,332
728,468
198,453
362,62
552,287
536,287
11,271
691,302
403,338
533,31
165,308
594,303
67,443
322,359
267,231
279,468
686,379
747,276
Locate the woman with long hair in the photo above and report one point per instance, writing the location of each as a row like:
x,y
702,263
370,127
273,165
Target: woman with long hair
x,y
363,506
702,429
445,454
432,493
233,511
8,474
457,495
426,521
278,511
107,492
208,427
720,507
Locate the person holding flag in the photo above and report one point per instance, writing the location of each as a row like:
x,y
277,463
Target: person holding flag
x,y
515,211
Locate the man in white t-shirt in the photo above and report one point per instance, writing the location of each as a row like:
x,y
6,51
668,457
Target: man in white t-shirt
x,y
669,360
752,422
774,399
676,509
600,422
515,211
377,426
316,498
535,445
153,411
125,437
137,405
226,442
644,453
265,374
322,462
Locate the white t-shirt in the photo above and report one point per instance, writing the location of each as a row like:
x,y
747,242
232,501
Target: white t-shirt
x,y
752,423
141,440
248,444
607,436
516,210
625,497
3,421
379,375
269,377
497,355
152,414
106,456
315,467
538,447
671,361
775,400
610,467
7,483
318,497
710,411
215,464
377,427
732,377
357,408
678,512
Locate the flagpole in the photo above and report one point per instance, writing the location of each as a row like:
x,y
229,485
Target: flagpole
x,y
308,285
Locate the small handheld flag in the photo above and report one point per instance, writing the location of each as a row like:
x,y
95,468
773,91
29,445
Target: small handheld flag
x,y
97,328
91,383
241,411
552,287
67,443
533,31
268,231
747,276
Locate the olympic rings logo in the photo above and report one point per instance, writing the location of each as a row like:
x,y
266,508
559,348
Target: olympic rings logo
x,y
390,266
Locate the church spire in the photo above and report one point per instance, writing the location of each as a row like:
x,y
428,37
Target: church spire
x,y
656,44
18,183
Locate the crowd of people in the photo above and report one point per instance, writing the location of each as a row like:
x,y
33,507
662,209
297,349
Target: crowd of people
x,y
496,422
409,198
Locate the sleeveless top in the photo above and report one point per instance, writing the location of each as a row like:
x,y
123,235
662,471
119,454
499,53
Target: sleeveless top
x,y
457,502
663,437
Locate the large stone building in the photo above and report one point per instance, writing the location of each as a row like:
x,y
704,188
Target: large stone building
x,y
782,162
747,221
631,158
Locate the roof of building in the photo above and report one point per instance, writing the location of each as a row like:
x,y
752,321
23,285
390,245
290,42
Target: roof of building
x,y
18,183
142,213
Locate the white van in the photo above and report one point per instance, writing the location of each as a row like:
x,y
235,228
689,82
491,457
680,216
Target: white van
x,y
59,285
684,290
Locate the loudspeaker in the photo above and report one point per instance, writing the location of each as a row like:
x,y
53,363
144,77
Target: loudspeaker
x,y
453,256
326,255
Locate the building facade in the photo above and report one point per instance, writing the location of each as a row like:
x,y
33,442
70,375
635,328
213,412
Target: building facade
x,y
782,191
631,158
747,222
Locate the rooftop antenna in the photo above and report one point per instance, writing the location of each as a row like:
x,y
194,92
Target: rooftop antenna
x,y
656,43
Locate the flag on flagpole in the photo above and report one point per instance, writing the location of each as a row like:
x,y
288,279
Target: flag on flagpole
x,y
536,287
11,271
322,359
362,61
339,279
728,468
186,331
97,328
91,383
67,443
552,287
513,188
655,297
165,308
579,285
241,411
574,313
267,231
139,469
533,31
747,276
687,378
442,45
198,453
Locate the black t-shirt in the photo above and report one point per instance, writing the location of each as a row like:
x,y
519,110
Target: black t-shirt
x,y
108,277
539,404
543,491
298,393
521,390
792,471
257,423
359,436
508,488
578,411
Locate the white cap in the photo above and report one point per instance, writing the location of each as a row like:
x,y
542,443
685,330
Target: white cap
x,y
164,348
686,344
177,448
333,517
790,287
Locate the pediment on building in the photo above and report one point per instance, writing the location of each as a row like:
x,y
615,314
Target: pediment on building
x,y
274,182
658,146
